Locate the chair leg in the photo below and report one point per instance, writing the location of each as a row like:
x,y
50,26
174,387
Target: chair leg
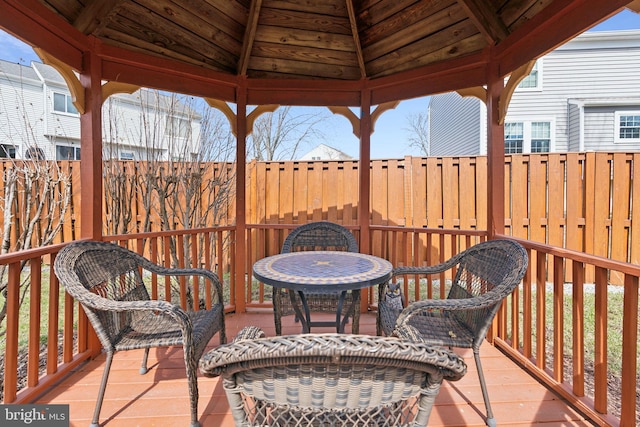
x,y
491,421
103,385
145,357
277,310
191,363
355,326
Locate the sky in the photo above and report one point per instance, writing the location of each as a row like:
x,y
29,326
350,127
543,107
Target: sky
x,y
390,139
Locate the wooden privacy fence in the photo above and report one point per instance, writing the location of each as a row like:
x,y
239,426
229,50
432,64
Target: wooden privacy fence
x,y
581,201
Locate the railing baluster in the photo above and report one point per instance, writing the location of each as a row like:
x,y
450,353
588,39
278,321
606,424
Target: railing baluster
x,y
11,349
541,316
630,351
600,358
53,319
527,312
35,293
558,318
578,327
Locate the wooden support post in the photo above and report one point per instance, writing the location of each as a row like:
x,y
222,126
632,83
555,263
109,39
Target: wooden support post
x,y
364,199
241,191
91,149
91,162
495,152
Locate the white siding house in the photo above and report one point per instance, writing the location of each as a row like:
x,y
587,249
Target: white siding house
x,y
324,152
22,110
582,96
37,117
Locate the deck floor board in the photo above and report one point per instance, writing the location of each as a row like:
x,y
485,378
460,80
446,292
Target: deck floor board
x,y
160,397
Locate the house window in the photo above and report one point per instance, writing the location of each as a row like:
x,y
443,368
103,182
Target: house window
x,y
63,103
34,153
627,126
7,151
533,81
528,137
65,152
513,137
178,127
540,137
126,155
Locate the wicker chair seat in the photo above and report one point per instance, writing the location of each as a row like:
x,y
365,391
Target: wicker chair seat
x,y
317,302
330,379
159,330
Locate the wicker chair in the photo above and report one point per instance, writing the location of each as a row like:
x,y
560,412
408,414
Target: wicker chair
x,y
317,236
330,379
107,280
485,275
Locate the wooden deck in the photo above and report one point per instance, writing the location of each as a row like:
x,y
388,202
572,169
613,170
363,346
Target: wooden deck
x,y
160,397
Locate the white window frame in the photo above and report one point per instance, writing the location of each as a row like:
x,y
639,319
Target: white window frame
x,y
526,143
67,101
538,66
75,148
10,150
616,136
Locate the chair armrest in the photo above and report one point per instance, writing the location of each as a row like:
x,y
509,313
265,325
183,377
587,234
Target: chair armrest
x,y
217,295
98,303
425,270
482,302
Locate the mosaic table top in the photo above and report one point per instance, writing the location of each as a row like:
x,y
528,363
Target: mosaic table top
x,y
314,270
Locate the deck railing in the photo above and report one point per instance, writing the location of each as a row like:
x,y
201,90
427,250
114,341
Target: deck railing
x,y
579,338
544,326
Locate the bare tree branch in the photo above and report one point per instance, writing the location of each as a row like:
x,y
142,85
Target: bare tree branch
x,y
419,132
279,135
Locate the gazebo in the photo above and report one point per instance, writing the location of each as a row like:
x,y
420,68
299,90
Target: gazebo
x,y
341,54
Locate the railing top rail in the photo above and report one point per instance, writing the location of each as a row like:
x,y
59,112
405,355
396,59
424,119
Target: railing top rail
x,y
151,234
597,261
25,254
447,231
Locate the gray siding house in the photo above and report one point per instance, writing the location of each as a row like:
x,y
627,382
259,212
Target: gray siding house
x,y
582,96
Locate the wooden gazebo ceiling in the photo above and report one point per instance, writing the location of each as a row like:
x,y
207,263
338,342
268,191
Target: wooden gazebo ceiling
x,y
323,52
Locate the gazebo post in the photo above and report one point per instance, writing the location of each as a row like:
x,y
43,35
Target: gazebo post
x,y
91,163
364,169
495,152
91,148
241,219
364,203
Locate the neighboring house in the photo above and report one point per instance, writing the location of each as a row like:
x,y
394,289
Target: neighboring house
x,y
38,120
324,152
582,96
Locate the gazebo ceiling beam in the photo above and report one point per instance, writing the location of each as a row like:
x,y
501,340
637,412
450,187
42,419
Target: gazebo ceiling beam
x,y
249,36
489,23
96,15
356,38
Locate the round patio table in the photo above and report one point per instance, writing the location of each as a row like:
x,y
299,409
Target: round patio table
x,y
322,272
